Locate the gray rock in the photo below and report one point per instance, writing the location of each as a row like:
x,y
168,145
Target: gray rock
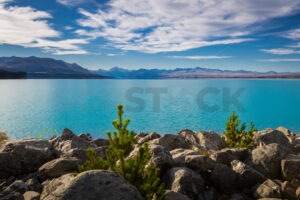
x,y
34,185
287,133
267,159
210,140
161,158
225,156
191,138
237,196
148,138
270,136
290,167
31,195
52,187
16,187
81,153
203,140
288,190
224,178
171,142
184,181
86,136
101,142
68,141
298,192
179,155
268,189
199,163
24,156
296,143
90,185
247,176
13,196
171,195
58,167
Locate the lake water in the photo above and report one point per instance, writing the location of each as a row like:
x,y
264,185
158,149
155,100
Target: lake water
x,y
28,107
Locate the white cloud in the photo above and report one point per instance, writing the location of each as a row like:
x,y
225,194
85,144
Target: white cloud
x,y
74,52
68,28
178,25
200,57
71,2
280,51
282,60
28,27
293,34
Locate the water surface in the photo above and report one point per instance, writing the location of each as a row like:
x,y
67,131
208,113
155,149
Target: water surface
x,y
28,107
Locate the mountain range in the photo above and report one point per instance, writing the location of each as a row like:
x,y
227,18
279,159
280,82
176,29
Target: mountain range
x,y
190,73
36,67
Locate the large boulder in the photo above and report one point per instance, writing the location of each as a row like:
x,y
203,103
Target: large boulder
x,y
34,185
268,189
267,159
290,135
161,158
90,185
224,178
290,167
203,140
225,156
171,195
68,141
170,142
184,181
296,143
24,156
179,156
58,167
270,136
147,138
81,153
210,140
288,190
199,163
16,187
247,176
100,142
31,195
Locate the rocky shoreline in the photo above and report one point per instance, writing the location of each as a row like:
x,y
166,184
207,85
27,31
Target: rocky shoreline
x,y
193,165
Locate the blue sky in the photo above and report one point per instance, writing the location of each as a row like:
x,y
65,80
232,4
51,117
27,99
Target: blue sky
x,y
259,35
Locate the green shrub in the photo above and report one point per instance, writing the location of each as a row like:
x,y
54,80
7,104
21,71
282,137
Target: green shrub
x,y
235,135
3,137
136,170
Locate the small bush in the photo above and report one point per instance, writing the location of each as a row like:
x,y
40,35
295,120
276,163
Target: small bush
x,y
136,170
3,137
235,135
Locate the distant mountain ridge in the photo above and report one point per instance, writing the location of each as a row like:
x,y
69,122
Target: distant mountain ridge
x,y
36,67
186,73
49,68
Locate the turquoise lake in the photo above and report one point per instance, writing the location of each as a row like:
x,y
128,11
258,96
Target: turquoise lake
x,y
28,107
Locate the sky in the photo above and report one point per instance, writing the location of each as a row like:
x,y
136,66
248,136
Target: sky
x,y
260,35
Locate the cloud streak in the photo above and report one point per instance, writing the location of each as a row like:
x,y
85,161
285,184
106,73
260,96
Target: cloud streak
x,y
168,25
200,57
282,60
281,51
